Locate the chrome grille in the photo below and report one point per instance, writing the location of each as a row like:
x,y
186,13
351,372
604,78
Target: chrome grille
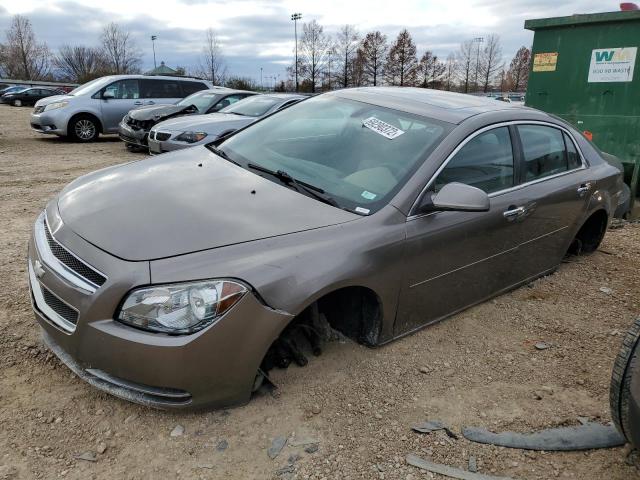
x,y
58,306
162,136
71,261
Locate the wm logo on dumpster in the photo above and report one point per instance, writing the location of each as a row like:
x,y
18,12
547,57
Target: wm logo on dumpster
x,y
615,55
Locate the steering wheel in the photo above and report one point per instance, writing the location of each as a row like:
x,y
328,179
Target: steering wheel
x,y
395,169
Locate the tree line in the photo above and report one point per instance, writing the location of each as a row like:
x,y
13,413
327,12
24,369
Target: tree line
x,y
352,60
325,62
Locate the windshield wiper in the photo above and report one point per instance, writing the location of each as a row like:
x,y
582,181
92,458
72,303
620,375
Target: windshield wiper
x,y
222,153
300,186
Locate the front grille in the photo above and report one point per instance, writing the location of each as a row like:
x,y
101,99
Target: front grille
x,y
39,109
161,136
139,124
74,263
58,306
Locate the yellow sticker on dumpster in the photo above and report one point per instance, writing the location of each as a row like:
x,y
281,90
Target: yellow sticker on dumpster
x,y
545,62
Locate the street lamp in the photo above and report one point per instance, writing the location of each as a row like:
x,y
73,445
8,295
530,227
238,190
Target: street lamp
x,y
477,40
261,85
153,43
295,17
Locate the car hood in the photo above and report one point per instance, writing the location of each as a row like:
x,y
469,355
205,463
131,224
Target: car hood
x,y
183,202
210,123
158,112
53,98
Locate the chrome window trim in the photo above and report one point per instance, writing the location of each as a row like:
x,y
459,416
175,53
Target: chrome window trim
x,y
56,265
583,163
52,315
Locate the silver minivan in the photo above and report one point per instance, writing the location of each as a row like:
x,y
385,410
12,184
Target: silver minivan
x,y
99,105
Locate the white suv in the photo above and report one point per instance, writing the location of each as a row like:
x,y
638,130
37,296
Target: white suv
x,y
99,105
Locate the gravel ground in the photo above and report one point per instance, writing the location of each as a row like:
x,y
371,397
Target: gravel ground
x,y
477,368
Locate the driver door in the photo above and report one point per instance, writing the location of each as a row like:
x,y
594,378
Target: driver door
x,y
126,96
456,259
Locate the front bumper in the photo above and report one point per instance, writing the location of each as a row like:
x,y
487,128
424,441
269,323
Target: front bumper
x,y
214,367
131,136
53,122
163,146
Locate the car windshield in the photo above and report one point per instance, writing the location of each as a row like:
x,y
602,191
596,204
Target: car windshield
x,y
255,106
357,153
90,87
201,100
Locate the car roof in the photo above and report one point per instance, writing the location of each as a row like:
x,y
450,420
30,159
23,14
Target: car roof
x,y
450,107
158,77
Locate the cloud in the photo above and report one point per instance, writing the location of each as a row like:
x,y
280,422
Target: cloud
x,y
259,33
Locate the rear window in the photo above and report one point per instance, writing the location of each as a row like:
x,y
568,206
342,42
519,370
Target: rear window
x,y
544,151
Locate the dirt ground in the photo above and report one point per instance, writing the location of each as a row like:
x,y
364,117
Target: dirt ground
x,y
478,368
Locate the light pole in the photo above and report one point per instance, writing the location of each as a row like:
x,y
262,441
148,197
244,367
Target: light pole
x,y
477,40
261,85
153,43
295,17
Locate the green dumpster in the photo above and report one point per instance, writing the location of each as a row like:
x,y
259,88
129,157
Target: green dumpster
x,y
583,71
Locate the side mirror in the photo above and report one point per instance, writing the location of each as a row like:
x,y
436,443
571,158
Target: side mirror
x,y
107,94
456,197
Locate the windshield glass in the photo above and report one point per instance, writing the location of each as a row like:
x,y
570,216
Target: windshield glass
x,y
359,154
201,100
255,106
90,87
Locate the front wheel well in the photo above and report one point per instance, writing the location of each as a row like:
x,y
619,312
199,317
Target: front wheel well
x,y
85,114
591,233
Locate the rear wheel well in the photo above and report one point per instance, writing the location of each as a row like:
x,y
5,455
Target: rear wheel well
x,y
591,233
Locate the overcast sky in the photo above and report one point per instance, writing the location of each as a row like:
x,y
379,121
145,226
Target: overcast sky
x,y
258,33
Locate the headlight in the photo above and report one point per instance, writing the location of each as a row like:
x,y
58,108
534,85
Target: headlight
x,y
180,308
54,105
191,137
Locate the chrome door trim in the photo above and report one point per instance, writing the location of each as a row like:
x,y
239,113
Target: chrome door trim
x,y
583,163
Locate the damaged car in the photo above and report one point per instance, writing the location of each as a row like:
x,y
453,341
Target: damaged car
x,y
179,281
184,132
135,125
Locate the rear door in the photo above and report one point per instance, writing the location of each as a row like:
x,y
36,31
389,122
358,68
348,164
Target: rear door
x,y
556,186
456,259
126,96
160,91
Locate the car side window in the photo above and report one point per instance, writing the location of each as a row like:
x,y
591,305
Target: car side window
x,y
124,89
226,101
573,158
191,87
485,162
544,151
160,89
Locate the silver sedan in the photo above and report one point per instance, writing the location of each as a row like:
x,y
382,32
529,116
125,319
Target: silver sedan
x,y
184,132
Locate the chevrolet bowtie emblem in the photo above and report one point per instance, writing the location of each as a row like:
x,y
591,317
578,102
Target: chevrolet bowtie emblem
x,y
37,268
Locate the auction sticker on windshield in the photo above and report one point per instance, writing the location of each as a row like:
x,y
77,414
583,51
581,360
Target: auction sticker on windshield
x,y
382,128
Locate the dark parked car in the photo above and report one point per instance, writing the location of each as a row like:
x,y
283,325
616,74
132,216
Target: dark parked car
x,y
28,96
134,127
624,393
190,131
179,280
12,89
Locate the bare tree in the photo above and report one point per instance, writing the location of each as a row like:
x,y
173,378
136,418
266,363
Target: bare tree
x,y
346,49
372,53
491,60
401,63
79,64
465,57
430,70
450,72
23,57
519,68
119,50
314,52
212,65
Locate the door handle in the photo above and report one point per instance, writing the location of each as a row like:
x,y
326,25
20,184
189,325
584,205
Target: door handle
x,y
584,188
513,212
137,103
